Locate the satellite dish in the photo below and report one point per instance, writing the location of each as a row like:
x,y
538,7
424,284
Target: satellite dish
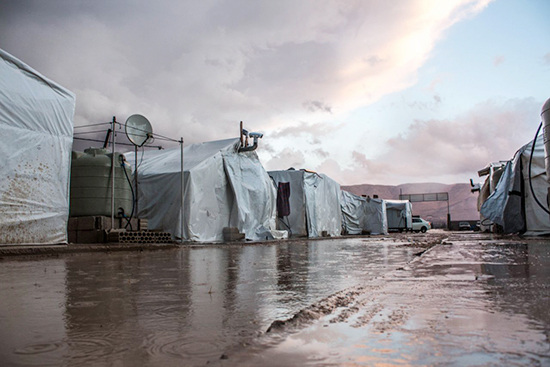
x,y
138,129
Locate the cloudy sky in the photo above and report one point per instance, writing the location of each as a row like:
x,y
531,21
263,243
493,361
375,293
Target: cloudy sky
x,y
366,91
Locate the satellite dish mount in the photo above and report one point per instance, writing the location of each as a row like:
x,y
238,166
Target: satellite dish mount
x,y
139,131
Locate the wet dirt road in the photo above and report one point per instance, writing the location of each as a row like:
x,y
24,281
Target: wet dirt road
x,y
473,300
186,306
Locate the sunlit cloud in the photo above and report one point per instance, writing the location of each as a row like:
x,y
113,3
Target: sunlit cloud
x,y
454,149
293,70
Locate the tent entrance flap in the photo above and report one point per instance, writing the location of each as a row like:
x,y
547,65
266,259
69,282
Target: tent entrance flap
x,y
283,199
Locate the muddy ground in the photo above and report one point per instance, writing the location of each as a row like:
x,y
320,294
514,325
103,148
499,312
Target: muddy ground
x,y
473,299
405,299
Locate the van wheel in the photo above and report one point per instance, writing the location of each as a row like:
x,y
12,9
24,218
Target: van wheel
x,y
423,229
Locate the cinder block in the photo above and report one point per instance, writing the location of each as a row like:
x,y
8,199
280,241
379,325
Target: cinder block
x,y
113,236
72,236
104,223
86,223
73,224
230,237
230,230
91,236
135,224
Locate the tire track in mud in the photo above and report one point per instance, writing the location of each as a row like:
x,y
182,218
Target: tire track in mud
x,y
348,301
344,300
359,302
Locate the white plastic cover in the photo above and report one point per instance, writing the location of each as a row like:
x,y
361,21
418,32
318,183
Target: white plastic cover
x,y
36,125
363,214
504,205
314,203
223,188
255,196
399,214
503,208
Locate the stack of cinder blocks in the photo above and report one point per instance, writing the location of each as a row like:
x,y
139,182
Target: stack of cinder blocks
x,y
141,237
231,234
94,229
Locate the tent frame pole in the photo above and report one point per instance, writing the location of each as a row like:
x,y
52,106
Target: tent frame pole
x,y
136,178
182,191
113,172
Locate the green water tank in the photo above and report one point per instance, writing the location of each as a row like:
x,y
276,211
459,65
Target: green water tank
x,y
91,184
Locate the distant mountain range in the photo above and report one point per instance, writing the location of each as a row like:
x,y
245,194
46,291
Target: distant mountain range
x,y
462,202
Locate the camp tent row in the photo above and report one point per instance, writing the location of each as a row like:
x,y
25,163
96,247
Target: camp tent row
x,y
510,203
223,186
227,188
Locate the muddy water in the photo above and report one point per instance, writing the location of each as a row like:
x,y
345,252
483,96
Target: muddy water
x,y
174,307
474,301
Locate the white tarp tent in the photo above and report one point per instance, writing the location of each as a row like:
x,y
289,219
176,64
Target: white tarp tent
x,y
36,123
399,214
363,214
314,203
512,204
223,188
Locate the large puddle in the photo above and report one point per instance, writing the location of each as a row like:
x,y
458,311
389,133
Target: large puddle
x,y
474,301
174,307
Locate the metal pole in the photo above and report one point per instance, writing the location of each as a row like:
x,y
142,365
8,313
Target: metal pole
x,y
113,174
448,215
136,179
182,191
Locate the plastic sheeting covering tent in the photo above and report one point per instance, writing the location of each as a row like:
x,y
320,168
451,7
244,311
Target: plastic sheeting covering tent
x,y
314,203
36,123
223,188
399,214
512,204
363,214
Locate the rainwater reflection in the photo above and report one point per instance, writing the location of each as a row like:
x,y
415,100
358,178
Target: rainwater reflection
x,y
472,301
173,306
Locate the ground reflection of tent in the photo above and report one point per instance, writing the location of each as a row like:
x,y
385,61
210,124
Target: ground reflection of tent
x,y
36,123
314,203
361,214
223,188
512,205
